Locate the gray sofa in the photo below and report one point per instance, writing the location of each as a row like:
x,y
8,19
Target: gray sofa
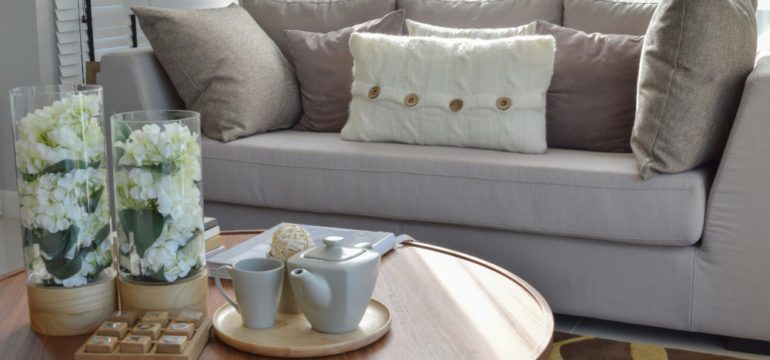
x,y
689,251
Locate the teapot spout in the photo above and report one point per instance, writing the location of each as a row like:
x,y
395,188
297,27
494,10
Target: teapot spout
x,y
311,287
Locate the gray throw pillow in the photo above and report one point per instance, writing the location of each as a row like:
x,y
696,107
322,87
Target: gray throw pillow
x,y
695,60
322,16
592,98
223,66
324,68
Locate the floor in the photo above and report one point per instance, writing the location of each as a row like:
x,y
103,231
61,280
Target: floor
x,y
11,259
644,334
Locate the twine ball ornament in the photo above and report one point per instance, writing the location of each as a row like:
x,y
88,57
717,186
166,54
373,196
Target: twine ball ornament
x,y
288,240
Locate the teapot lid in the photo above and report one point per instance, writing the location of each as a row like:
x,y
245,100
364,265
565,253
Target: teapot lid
x,y
333,250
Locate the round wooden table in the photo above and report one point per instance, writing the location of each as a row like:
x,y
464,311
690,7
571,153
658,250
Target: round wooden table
x,y
445,305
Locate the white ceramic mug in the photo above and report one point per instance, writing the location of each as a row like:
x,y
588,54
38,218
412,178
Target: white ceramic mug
x,y
257,283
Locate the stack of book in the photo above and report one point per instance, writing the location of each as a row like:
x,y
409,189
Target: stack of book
x,y
211,234
259,245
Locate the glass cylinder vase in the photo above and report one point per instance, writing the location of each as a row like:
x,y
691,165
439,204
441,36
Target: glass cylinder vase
x,y
62,182
158,200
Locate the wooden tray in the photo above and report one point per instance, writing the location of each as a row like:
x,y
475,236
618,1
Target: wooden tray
x,y
292,337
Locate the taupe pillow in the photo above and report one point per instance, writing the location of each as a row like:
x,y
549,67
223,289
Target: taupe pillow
x,y
225,67
322,16
592,98
324,68
695,60
482,14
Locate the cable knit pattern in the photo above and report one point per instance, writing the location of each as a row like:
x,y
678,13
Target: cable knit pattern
x,y
461,88
421,29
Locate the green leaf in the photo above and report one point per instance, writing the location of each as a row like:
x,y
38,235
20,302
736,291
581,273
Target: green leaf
x,y
145,224
51,244
93,201
71,238
167,168
158,275
120,133
28,237
64,166
64,268
100,236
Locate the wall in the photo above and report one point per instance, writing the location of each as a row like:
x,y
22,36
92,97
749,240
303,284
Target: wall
x,y
26,37
763,24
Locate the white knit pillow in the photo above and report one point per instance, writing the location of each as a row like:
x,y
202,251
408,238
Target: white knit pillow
x,y
421,29
457,92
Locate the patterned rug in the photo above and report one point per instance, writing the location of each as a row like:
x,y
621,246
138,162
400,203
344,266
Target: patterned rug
x,y
576,347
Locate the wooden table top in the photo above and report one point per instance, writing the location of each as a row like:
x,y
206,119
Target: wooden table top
x,y
445,305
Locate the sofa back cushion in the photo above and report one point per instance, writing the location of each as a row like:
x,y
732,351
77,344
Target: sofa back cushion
x,y
630,17
275,16
482,14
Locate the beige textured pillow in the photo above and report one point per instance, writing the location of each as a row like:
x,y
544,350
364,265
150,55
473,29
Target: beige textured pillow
x,y
225,67
420,29
482,13
695,59
591,100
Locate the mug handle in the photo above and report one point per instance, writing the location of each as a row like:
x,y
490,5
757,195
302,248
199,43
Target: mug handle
x,y
217,274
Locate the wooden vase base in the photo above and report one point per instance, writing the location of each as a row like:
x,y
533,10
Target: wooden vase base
x,y
189,294
59,311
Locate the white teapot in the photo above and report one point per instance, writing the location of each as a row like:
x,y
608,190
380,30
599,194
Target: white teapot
x,y
333,284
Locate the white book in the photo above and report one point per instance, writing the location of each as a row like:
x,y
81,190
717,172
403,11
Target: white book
x,y
259,246
211,232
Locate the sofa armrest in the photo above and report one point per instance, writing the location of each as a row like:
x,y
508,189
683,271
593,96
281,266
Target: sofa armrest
x,y
731,287
135,80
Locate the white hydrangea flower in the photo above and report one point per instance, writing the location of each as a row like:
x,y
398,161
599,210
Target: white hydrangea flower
x,y
141,184
186,259
57,199
180,200
67,130
161,171
159,254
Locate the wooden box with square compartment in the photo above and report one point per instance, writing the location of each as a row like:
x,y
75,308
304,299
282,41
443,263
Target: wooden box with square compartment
x,y
155,335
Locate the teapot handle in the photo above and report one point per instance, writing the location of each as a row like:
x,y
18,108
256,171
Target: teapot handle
x,y
217,274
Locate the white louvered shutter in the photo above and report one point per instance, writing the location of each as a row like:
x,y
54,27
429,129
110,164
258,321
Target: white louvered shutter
x,y
111,21
173,4
112,26
70,41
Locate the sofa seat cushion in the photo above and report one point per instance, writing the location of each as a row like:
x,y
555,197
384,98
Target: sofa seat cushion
x,y
564,192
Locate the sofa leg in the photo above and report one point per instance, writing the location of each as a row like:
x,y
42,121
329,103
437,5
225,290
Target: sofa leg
x,y
747,345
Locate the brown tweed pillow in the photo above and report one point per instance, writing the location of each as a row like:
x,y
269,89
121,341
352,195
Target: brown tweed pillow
x,y
225,67
695,60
